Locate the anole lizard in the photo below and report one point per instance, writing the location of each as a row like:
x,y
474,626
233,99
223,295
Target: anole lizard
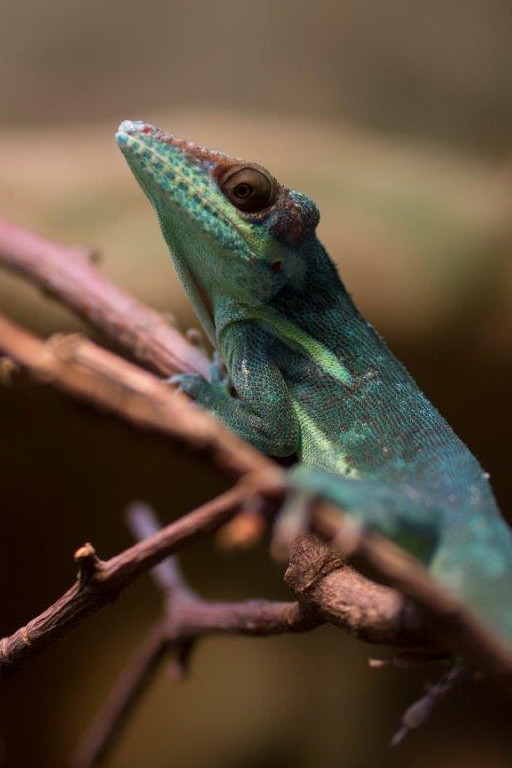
x,y
311,375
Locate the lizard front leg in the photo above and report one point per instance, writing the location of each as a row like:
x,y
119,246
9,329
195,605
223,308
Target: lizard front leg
x,y
262,412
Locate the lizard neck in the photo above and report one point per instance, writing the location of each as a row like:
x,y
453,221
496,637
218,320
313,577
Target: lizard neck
x,y
321,308
313,315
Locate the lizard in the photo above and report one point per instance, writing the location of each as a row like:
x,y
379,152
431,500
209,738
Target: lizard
x,y
312,377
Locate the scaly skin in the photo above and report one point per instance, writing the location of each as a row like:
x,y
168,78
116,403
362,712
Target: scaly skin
x,y
312,376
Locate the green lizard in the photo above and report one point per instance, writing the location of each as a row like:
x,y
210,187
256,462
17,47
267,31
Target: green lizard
x,y
311,375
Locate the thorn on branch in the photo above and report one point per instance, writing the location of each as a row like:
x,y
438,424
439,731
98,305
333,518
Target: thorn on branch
x,y
8,371
244,531
64,344
410,659
170,319
193,335
88,563
180,659
89,254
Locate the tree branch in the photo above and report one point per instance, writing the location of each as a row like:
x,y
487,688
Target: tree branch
x,y
186,618
67,274
82,369
449,623
100,581
130,687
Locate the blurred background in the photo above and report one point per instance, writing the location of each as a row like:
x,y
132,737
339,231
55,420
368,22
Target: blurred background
x,y
397,118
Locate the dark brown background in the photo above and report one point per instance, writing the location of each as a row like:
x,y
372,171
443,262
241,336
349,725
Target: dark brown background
x,y
397,118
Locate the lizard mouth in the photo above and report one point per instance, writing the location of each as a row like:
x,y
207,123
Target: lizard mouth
x,y
134,128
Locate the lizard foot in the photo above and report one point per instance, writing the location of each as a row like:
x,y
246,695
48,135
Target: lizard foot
x,y
192,383
393,511
293,519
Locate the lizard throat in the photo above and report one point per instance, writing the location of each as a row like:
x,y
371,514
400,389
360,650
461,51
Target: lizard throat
x,y
198,296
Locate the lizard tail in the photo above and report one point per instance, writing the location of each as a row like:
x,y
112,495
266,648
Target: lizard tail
x,y
476,565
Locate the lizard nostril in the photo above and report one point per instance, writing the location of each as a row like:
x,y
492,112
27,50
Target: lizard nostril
x,y
276,266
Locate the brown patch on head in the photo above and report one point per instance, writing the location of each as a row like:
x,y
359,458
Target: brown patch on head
x,y
291,220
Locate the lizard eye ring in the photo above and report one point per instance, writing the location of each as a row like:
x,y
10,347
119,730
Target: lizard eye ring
x,y
249,188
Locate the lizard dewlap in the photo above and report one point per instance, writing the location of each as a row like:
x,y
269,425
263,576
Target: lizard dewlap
x,y
311,375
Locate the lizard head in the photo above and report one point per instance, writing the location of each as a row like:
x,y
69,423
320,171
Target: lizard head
x,y
234,232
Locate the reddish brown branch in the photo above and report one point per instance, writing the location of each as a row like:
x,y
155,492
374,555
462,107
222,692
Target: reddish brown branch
x,y
187,618
102,581
82,369
131,685
339,594
68,274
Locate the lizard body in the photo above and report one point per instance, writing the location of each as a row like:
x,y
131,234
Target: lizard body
x,y
312,376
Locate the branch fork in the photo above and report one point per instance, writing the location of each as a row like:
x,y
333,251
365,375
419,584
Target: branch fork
x,y
186,618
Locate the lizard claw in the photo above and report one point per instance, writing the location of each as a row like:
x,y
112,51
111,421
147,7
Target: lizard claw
x,y
203,392
217,378
218,374
184,382
292,520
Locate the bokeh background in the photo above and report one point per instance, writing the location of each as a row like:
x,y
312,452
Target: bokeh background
x,y
396,117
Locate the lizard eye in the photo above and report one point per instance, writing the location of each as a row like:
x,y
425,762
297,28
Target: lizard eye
x,y
250,189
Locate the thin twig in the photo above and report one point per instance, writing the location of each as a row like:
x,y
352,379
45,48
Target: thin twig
x,y
110,577
131,685
187,617
143,524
